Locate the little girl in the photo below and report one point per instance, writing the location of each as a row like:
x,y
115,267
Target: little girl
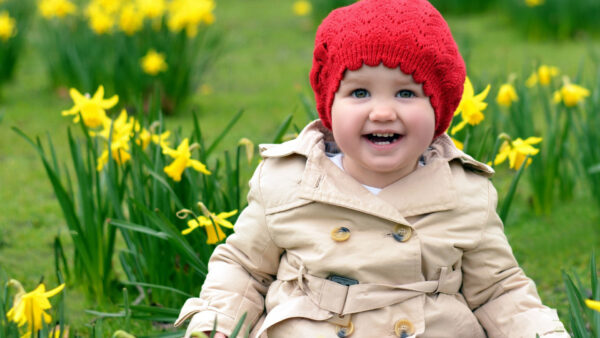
x,y
371,223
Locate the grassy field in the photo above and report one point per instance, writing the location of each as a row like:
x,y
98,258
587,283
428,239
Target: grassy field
x,y
264,68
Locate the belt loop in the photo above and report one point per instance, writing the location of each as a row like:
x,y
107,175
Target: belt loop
x,y
449,281
301,272
442,278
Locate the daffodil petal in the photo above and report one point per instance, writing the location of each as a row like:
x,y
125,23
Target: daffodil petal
x,y
481,96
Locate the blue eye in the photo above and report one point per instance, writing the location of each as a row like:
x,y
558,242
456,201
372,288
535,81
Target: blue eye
x,y
405,93
360,93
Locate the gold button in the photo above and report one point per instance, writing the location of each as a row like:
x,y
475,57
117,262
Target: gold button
x,y
404,328
344,331
402,233
340,234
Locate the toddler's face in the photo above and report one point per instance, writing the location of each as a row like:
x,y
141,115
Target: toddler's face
x,y
382,121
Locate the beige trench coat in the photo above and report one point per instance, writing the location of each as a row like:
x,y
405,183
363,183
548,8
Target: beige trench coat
x,y
428,252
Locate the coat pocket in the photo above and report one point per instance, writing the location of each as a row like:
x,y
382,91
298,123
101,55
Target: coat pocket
x,y
450,313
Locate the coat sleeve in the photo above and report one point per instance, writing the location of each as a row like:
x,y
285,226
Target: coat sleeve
x,y
504,300
239,273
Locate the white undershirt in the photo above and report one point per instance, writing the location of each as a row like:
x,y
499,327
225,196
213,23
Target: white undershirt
x,y
337,160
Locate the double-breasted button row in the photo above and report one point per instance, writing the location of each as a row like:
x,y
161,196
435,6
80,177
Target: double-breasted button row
x,y
402,233
403,328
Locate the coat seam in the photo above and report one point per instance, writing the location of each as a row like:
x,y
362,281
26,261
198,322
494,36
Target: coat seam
x,y
264,216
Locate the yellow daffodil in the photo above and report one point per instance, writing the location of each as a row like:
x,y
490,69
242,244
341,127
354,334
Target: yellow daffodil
x,y
7,26
92,109
145,137
120,155
122,130
516,151
534,3
212,223
507,95
100,20
249,146
182,156
30,308
543,76
153,62
470,107
188,14
302,7
121,127
570,94
593,304
56,8
458,144
151,9
130,20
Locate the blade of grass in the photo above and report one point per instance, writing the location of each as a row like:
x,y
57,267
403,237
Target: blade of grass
x,y
226,130
575,301
138,228
161,287
282,129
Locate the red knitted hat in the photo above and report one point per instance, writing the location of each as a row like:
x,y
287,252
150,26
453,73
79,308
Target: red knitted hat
x,y
408,33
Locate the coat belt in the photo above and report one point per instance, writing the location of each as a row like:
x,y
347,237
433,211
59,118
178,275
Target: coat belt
x,y
342,299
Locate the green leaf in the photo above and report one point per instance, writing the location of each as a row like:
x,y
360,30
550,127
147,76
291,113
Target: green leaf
x,y
174,334
161,287
511,191
155,310
594,169
309,107
282,129
238,326
120,314
138,228
220,137
577,322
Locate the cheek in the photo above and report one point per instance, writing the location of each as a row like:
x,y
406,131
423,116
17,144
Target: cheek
x,y
425,122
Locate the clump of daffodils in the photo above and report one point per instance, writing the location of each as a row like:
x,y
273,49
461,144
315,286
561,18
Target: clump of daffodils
x,y
118,134
56,8
104,16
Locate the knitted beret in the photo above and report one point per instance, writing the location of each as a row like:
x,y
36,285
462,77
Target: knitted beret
x,y
410,34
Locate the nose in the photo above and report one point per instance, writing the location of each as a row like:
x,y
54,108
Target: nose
x,y
383,112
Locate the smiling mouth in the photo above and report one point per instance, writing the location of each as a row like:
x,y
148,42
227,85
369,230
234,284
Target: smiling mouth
x,y
383,138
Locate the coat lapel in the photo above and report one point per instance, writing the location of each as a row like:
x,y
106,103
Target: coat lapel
x,y
428,189
322,181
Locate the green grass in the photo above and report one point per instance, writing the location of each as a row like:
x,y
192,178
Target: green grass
x,y
265,66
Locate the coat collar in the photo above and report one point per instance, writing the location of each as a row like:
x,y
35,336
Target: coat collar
x,y
428,189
